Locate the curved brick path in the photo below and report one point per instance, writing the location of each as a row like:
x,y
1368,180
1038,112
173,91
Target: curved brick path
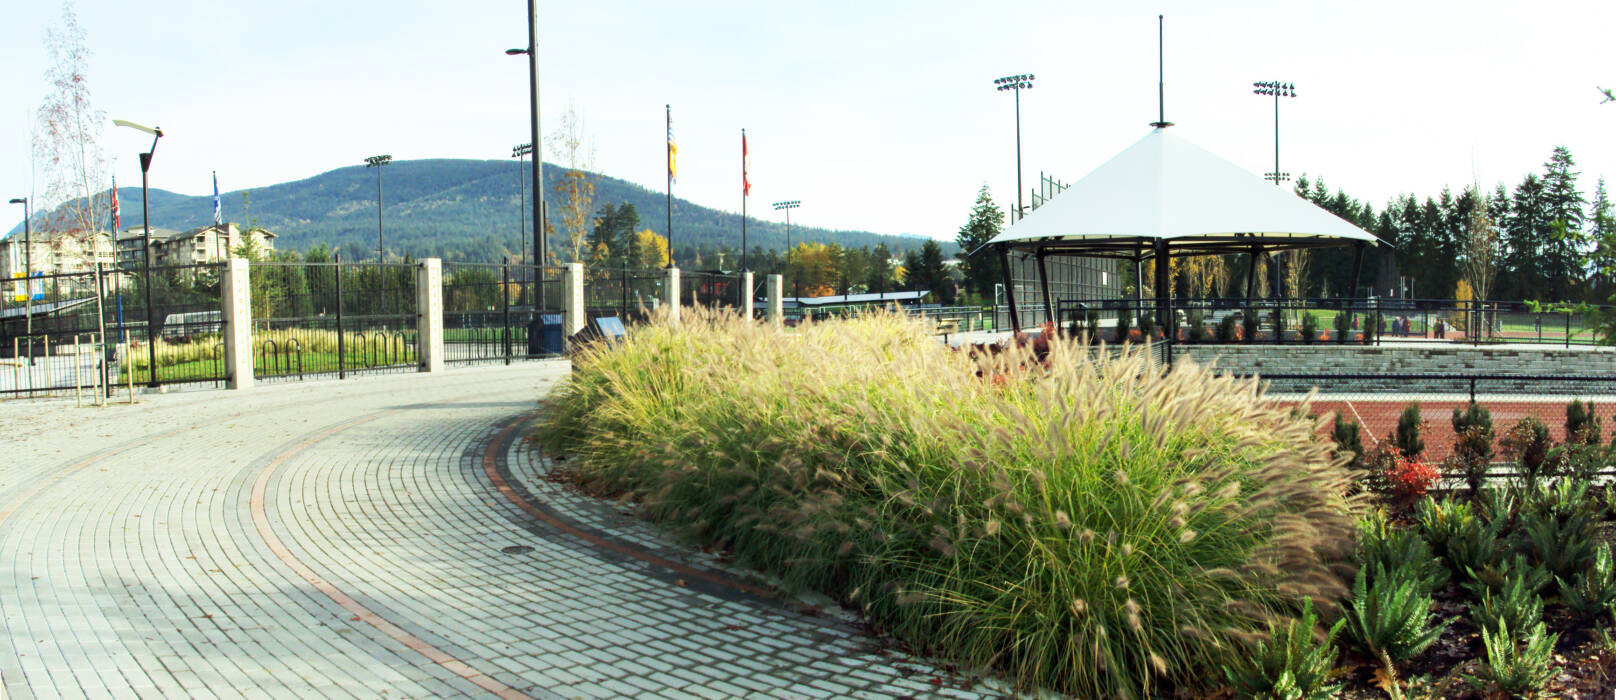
x,y
386,535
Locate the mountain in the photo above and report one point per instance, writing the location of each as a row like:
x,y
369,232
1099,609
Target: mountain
x,y
467,210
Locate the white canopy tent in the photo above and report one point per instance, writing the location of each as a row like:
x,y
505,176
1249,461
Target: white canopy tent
x,y
1164,197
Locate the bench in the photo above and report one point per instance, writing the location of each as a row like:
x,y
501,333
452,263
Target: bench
x,y
947,326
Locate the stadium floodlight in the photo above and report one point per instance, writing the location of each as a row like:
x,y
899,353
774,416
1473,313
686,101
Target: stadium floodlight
x,y
1016,83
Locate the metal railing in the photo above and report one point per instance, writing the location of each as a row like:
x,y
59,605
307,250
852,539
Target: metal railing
x,y
318,318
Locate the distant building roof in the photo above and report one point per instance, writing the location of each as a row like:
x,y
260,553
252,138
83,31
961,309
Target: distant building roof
x,y
834,299
157,234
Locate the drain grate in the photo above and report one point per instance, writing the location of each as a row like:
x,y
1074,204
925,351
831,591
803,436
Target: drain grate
x,y
517,549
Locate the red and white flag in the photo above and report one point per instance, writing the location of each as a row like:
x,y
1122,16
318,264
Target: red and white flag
x,y
746,164
117,221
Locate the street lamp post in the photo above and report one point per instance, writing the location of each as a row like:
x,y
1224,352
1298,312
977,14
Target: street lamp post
x,y
145,216
1017,83
541,246
27,269
377,162
520,152
787,206
1277,90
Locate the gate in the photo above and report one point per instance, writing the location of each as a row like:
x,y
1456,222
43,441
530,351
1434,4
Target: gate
x,y
497,313
322,318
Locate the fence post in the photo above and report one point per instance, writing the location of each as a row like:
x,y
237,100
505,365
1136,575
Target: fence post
x,y
776,290
505,311
670,282
429,314
572,300
236,300
746,295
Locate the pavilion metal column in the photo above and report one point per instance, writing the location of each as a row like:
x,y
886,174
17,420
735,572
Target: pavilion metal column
x,y
1138,274
1009,288
1043,285
1163,284
1352,296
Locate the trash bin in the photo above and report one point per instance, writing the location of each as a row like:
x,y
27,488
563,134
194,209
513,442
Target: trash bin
x,y
550,326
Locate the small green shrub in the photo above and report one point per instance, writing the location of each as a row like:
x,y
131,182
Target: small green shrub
x,y
1582,462
1388,617
1582,424
1465,541
1560,499
1516,669
1250,324
1197,327
1348,441
1383,546
1561,542
1407,435
1497,504
1503,570
1310,327
1124,325
1147,325
1592,590
1515,603
1225,329
1343,326
1441,520
1290,663
1527,443
1473,443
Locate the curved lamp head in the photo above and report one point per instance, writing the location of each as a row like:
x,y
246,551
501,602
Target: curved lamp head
x,y
515,52
20,200
154,131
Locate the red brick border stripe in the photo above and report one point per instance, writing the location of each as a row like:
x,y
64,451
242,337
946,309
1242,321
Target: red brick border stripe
x,y
261,521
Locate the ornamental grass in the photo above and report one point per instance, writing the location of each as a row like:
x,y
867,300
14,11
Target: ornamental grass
x,y
1086,523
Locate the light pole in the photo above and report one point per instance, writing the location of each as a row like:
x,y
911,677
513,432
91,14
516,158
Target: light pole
x,y
519,152
1277,90
541,246
377,162
787,206
1017,83
27,268
145,216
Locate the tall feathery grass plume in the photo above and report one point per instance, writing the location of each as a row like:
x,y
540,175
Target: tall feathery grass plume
x,y
1086,522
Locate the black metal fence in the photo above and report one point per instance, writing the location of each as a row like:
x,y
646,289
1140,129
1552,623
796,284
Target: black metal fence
x,y
719,290
109,327
490,311
628,294
316,318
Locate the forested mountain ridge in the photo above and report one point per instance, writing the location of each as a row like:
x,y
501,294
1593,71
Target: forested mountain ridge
x,y
464,210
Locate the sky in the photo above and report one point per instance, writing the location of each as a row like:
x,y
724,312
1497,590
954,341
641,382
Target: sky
x,y
878,116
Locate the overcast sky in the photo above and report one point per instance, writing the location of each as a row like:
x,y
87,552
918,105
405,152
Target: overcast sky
x,y
877,115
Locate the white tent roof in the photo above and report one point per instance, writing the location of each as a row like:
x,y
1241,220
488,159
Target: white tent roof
x,y
1164,187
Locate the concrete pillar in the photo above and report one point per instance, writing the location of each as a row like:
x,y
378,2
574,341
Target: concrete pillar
x,y
429,314
746,295
236,300
776,289
572,299
670,283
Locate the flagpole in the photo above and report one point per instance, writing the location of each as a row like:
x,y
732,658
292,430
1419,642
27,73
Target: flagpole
x,y
744,187
669,109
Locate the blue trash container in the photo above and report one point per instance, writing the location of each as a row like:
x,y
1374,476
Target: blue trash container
x,y
550,325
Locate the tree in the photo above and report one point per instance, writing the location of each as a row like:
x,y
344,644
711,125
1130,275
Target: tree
x,y
576,187
985,222
1602,232
1526,236
67,143
650,250
926,272
1562,203
1480,258
612,240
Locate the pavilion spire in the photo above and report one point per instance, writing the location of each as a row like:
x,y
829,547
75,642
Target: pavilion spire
x,y
1161,78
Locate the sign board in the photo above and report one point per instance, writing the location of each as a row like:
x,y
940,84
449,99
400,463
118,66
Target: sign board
x,y
35,286
611,327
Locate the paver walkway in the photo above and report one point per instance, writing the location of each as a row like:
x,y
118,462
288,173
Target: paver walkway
x,y
381,536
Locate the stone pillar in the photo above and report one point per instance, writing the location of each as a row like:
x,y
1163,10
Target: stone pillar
x,y
572,299
670,282
429,314
236,300
776,288
746,295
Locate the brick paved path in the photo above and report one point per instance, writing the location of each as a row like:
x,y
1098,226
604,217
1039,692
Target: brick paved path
x,y
384,536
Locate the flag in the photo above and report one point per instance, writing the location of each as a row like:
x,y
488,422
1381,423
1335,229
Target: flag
x,y
216,210
117,221
746,164
673,151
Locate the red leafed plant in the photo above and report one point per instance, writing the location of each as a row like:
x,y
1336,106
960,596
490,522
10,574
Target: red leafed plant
x,y
1410,478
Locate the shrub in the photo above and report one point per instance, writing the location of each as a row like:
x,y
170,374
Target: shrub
x,y
1582,424
1348,442
1388,616
1249,323
1465,541
1527,442
1561,539
1147,325
1343,326
1384,547
1410,478
1473,444
1197,327
1290,663
1514,604
1225,329
1124,324
1498,574
1407,435
1515,670
1496,504
1582,462
1310,327
1147,520
1593,589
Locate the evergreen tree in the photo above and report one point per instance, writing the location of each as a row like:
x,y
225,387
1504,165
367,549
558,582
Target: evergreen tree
x,y
1564,257
612,240
1526,238
1602,232
985,223
879,277
933,275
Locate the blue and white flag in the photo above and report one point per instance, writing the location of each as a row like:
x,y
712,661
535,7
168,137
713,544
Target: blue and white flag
x,y
216,219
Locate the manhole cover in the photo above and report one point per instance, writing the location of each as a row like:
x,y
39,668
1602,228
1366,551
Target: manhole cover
x,y
517,549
